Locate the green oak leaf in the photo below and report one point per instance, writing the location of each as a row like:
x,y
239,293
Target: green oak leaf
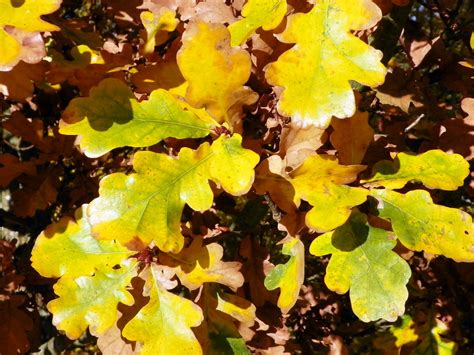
x,y
435,169
422,225
363,262
112,117
64,245
91,300
289,276
148,205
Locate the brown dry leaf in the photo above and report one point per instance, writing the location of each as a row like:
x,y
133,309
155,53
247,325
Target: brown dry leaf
x,y
269,179
38,193
11,167
162,75
199,264
18,83
212,11
297,143
458,135
14,326
351,137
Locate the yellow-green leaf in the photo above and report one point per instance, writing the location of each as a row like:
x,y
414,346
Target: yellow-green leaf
x,y
68,248
258,13
215,79
363,261
91,300
163,21
163,326
422,225
112,117
320,181
22,17
315,73
435,169
148,204
289,276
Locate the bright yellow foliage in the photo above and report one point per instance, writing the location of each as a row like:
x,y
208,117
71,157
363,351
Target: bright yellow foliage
x,y
315,73
154,23
24,18
214,70
258,13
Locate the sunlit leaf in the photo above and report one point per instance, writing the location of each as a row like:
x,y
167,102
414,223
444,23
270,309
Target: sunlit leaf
x,y
363,262
315,73
156,23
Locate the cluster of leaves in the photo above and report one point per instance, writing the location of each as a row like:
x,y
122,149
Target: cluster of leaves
x,y
177,145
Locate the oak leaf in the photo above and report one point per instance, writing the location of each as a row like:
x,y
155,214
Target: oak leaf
x,y
163,326
148,204
156,24
215,80
20,25
11,167
435,169
363,261
315,73
112,117
289,276
14,326
422,225
257,13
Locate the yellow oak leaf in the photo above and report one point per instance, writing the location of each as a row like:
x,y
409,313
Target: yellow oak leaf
x,y
351,137
200,263
67,248
216,79
112,117
289,276
258,13
363,261
315,73
147,205
435,169
20,20
321,182
163,326
157,23
91,300
422,225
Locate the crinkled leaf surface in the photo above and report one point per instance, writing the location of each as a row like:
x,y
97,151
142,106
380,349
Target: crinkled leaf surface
x,y
68,248
289,276
315,73
258,13
200,263
163,326
435,169
112,117
91,300
215,79
23,16
320,181
363,261
148,204
422,225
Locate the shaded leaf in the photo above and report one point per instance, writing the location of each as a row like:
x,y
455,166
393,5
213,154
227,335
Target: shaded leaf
x,y
363,262
320,181
422,225
330,55
112,117
289,276
14,326
147,205
435,169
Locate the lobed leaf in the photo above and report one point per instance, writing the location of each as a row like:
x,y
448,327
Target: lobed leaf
x,y
363,262
422,225
289,276
267,14
147,205
63,246
112,117
315,73
320,181
435,169
163,325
